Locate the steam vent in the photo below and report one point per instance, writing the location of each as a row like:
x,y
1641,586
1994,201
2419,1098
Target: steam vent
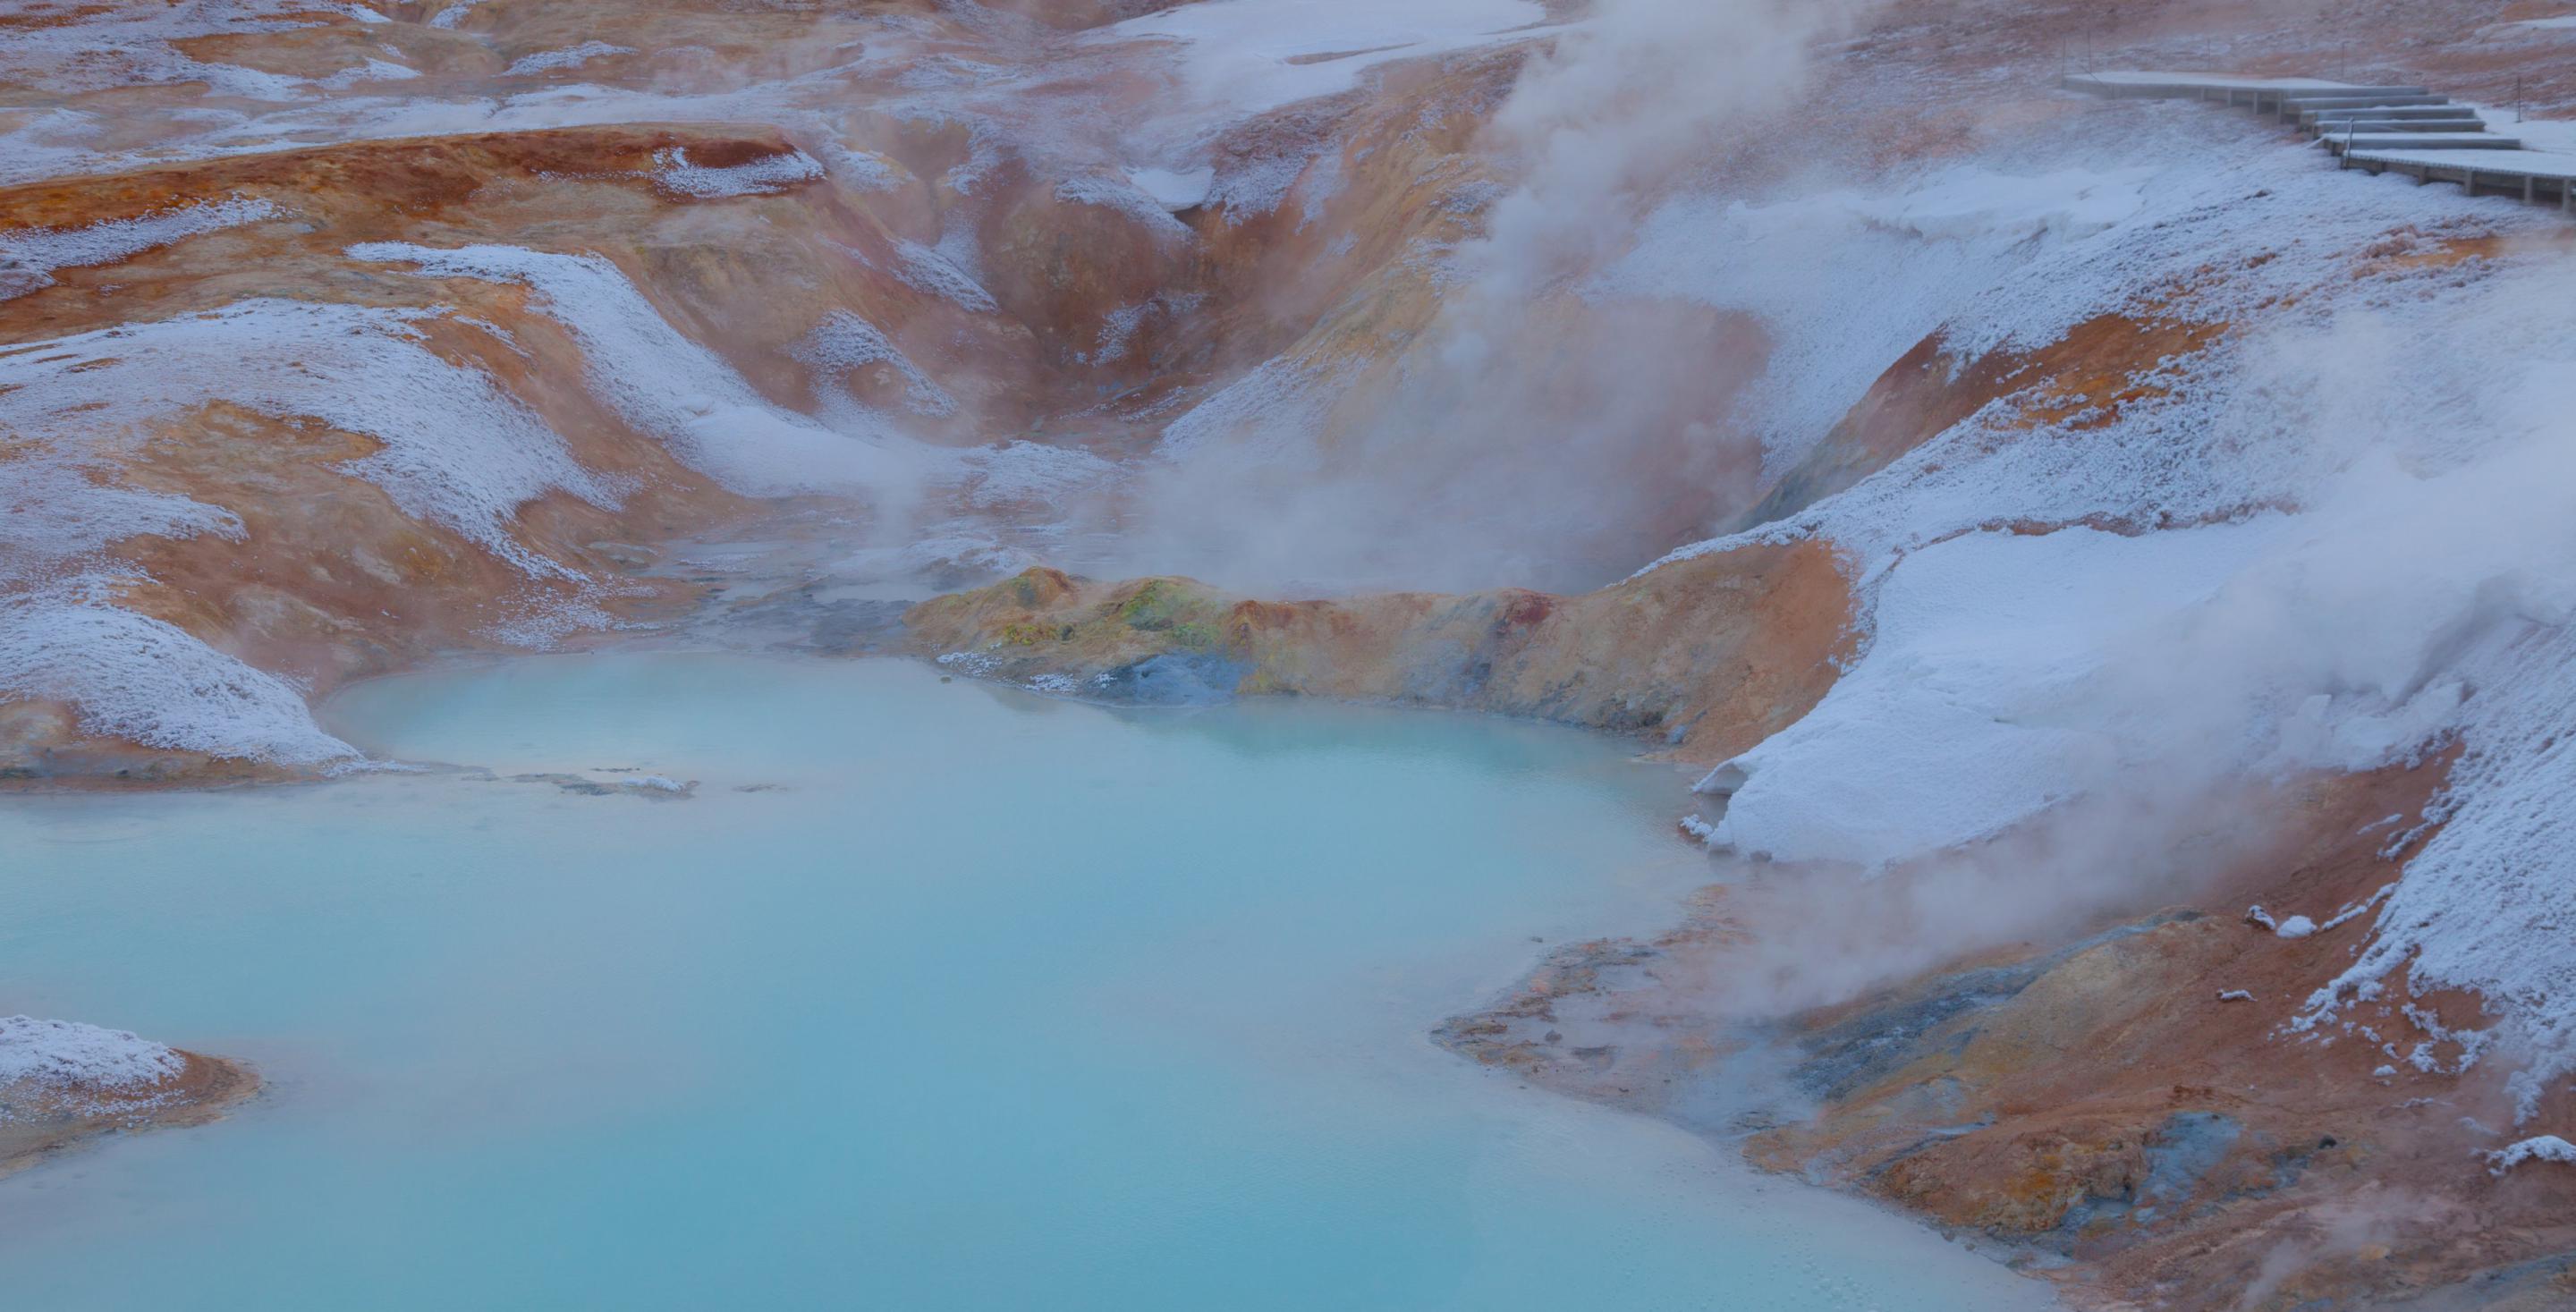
x,y
1272,655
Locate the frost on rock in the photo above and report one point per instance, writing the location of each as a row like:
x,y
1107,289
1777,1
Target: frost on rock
x,y
767,175
29,256
843,342
540,620
57,506
457,450
926,270
67,1058
2538,1148
665,384
571,57
860,170
1118,328
1124,198
151,682
1034,473
134,45
2483,904
1276,407
1256,185
373,70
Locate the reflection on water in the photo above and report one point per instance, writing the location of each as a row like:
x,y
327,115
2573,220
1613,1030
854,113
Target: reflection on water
x,y
993,1002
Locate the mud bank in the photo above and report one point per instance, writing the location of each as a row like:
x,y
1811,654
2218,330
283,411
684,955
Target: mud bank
x,y
40,1121
2129,1114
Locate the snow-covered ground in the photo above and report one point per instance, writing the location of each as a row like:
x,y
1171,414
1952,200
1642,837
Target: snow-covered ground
x,y
68,1057
29,256
668,385
458,449
2335,539
1247,56
673,170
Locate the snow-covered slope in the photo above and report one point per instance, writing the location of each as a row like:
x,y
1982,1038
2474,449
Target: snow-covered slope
x,y
2331,542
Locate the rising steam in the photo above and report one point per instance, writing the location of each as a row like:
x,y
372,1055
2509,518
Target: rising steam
x,y
1534,434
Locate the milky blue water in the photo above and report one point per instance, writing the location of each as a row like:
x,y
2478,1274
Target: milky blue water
x,y
992,1003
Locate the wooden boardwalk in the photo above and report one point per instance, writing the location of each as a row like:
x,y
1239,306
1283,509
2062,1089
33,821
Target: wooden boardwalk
x,y
2383,129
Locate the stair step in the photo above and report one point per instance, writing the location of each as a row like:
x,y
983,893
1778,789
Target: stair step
x,y
2365,127
2361,102
2387,111
2424,141
2348,93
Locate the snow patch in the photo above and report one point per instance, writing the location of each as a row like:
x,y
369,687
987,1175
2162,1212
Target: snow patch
x,y
765,176
66,1055
1254,185
926,270
1118,328
541,619
1033,473
1175,189
1965,714
150,682
2387,510
665,384
2538,1148
570,57
373,70
1124,198
1970,203
457,450
844,341
1277,405
136,45
29,256
1246,57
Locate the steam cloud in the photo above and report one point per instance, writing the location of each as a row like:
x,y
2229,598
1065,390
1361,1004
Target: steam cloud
x,y
2415,594
1531,435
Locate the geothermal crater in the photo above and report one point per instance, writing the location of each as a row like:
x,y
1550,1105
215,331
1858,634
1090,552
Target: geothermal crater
x,y
2105,565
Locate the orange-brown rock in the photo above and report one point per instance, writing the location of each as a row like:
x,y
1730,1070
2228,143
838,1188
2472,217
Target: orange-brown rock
x,y
39,1126
1709,654
2113,1100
